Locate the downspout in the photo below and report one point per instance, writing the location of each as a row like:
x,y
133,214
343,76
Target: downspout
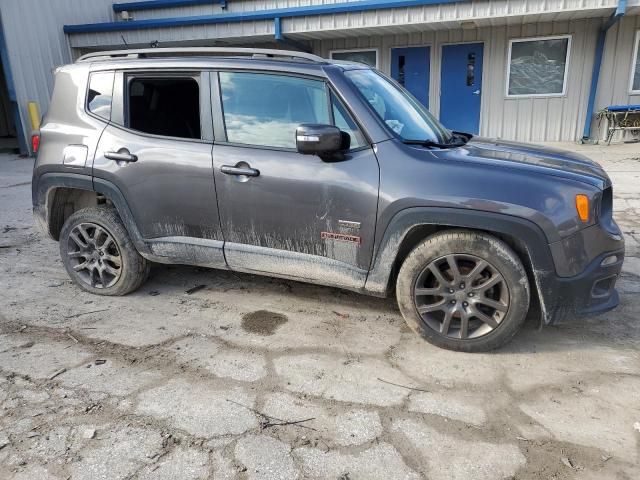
x,y
595,75
280,38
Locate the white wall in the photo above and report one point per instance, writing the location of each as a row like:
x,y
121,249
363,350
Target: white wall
x,y
615,74
524,119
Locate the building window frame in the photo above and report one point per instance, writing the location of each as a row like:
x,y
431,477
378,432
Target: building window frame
x,y
569,37
355,50
634,60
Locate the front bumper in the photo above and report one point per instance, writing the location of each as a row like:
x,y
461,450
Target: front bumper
x,y
590,293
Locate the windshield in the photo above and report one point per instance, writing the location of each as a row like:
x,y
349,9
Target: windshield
x,y
402,113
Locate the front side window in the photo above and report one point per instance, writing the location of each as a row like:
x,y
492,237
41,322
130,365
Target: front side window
x,y
166,106
265,110
404,115
635,68
538,66
100,94
367,57
343,120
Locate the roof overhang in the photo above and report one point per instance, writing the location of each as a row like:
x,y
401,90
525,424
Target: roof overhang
x,y
327,21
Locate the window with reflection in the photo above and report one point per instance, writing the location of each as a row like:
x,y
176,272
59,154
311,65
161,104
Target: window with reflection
x,y
538,66
635,68
345,122
265,110
100,94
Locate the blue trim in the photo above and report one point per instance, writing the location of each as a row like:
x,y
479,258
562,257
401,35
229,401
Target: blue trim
x,y
280,38
157,4
277,28
6,67
328,9
597,64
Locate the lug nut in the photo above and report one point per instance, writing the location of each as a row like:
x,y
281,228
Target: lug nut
x,y
465,304
451,290
462,286
471,294
453,302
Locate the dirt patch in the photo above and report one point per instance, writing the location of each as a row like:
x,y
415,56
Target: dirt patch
x,y
263,322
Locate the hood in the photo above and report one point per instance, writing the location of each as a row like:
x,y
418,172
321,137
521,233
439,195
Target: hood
x,y
551,161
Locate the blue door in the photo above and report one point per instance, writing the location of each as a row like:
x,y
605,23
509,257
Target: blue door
x,y
461,88
410,67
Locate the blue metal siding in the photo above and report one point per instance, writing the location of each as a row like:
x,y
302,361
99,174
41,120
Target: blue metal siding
x,y
156,4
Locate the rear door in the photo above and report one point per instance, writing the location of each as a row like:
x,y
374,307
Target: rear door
x,y
157,151
410,66
295,215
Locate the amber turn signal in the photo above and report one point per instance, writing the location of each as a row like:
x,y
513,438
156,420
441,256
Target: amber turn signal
x,y
582,206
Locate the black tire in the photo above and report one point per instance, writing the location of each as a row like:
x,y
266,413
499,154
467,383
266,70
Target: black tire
x,y
465,250
123,268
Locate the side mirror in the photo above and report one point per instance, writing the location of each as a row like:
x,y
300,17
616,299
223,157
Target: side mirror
x,y
323,140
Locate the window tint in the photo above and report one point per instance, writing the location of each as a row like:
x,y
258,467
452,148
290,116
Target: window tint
x,y
344,122
263,109
538,67
100,94
164,106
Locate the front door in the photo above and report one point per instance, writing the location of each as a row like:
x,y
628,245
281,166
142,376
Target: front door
x,y
461,87
410,67
284,213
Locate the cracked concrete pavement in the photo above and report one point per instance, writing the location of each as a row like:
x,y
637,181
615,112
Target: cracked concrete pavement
x,y
164,385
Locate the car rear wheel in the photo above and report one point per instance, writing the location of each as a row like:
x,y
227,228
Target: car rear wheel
x,y
463,290
98,254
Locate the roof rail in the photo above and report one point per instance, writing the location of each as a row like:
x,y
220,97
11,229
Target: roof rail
x,y
149,52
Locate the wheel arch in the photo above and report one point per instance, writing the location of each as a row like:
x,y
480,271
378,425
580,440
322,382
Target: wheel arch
x,y
58,195
411,226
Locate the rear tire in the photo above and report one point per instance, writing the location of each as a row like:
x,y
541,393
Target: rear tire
x,y
463,290
98,254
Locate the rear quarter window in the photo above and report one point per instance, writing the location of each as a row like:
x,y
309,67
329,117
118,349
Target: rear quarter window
x,y
100,94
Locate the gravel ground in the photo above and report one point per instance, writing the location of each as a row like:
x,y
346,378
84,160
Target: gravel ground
x,y
255,378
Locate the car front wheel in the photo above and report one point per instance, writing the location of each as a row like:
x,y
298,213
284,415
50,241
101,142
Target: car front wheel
x,y
463,290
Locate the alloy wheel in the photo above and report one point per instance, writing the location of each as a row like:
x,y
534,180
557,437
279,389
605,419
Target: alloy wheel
x,y
461,296
94,255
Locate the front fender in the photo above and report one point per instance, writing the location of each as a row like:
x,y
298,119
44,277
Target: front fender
x,y
528,235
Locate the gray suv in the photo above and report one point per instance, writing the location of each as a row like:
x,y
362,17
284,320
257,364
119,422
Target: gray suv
x,y
290,165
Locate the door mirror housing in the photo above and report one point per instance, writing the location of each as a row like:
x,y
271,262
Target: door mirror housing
x,y
326,141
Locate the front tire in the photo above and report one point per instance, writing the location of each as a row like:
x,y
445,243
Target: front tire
x,y
98,254
465,291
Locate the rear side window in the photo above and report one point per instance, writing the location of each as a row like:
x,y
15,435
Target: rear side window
x,y
100,94
168,106
263,109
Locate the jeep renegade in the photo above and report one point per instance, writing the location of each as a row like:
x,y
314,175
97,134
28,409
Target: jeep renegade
x,y
290,165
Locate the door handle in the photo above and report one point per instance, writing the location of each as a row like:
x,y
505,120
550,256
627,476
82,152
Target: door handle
x,y
246,171
477,92
121,155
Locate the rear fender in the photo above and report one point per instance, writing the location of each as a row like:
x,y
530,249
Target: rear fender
x,y
48,182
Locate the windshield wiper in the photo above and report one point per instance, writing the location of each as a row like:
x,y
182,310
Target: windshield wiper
x,y
431,143
457,140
